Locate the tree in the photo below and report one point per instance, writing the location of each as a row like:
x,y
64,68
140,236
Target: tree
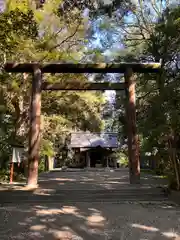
x,y
26,35
97,7
158,96
151,34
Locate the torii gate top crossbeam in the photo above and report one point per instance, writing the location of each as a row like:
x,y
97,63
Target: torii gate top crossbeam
x,y
84,68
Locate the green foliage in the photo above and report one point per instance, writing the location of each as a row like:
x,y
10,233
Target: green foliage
x,y
28,34
153,37
122,159
4,175
41,166
158,95
16,26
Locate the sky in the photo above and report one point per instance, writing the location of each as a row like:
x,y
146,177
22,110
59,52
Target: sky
x,y
101,36
1,4
112,40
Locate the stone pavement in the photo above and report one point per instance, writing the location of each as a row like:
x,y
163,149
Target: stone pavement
x,y
89,205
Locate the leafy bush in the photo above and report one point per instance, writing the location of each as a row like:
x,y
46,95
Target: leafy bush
x,y
41,166
4,175
122,160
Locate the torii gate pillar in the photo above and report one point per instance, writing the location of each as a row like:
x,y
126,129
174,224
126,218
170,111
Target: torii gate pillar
x,y
34,130
133,142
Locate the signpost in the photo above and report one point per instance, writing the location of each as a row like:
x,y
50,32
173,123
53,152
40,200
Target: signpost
x,y
17,157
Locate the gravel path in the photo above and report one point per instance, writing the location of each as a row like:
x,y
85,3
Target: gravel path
x,y
99,206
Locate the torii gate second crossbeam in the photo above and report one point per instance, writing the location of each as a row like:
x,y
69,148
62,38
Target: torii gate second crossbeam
x,y
38,85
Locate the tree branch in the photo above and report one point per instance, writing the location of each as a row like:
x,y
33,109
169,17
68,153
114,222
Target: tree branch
x,y
62,42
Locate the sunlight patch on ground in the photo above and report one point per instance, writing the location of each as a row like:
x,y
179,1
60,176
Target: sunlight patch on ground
x,y
69,209
144,227
72,210
58,179
43,212
168,206
96,219
171,234
63,179
94,222
56,211
66,233
44,191
37,227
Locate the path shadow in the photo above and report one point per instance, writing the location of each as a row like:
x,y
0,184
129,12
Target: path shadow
x,y
88,221
65,208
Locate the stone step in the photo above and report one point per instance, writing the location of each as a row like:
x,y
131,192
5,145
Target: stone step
x,y
83,196
123,191
68,201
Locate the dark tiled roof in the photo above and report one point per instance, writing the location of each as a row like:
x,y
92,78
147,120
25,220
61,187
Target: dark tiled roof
x,y
91,140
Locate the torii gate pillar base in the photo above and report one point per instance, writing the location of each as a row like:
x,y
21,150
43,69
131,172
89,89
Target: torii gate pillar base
x,y
134,179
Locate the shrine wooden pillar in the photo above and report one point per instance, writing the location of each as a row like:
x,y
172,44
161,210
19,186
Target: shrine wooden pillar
x,y
34,131
133,142
88,160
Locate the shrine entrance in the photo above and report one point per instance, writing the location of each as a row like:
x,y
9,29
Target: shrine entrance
x,y
96,157
38,85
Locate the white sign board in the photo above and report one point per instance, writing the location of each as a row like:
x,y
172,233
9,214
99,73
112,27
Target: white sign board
x,y
18,155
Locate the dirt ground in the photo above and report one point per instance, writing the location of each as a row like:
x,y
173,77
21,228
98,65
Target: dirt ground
x,y
89,205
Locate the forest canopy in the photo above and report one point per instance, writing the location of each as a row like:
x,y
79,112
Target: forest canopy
x,y
110,31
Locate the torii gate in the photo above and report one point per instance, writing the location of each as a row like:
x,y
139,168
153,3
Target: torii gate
x,y
38,85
